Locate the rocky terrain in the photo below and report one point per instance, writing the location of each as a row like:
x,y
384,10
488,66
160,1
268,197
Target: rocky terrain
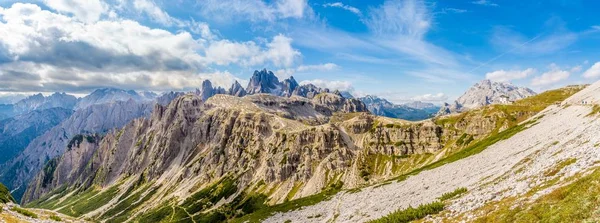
x,y
413,111
110,95
484,93
37,102
230,157
94,119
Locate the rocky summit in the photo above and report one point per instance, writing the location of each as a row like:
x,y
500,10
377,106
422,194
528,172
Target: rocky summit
x,y
485,93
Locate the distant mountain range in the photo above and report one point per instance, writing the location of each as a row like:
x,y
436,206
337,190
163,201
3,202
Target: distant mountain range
x,y
412,111
484,93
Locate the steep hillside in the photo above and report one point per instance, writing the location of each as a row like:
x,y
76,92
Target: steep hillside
x,y
231,157
17,172
515,175
17,132
5,196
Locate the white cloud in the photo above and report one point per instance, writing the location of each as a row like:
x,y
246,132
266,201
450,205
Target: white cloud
x,y
509,75
155,13
439,97
253,10
345,7
454,10
279,52
331,85
407,18
576,69
554,75
86,11
504,38
593,72
45,51
485,3
318,67
285,73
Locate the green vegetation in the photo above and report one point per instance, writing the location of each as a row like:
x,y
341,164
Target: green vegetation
x,y
123,210
410,214
267,211
78,139
5,196
24,212
559,166
55,218
453,194
595,111
575,202
87,201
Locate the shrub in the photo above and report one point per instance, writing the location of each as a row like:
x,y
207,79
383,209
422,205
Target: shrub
x,y
410,214
453,194
24,212
55,218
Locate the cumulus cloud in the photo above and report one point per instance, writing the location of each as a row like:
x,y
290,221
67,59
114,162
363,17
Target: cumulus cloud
x,y
279,52
86,11
253,10
439,97
342,6
41,50
331,85
554,75
509,75
593,72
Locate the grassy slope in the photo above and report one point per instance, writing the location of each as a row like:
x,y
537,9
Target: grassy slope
x,y
5,195
250,206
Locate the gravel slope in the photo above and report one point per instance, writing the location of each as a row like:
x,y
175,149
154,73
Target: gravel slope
x,y
502,170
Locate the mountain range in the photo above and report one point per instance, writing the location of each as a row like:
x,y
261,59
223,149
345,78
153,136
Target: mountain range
x,y
277,151
412,111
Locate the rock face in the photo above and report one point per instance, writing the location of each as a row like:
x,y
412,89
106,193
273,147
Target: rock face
x,y
93,119
208,90
485,93
237,90
412,111
17,132
278,143
264,82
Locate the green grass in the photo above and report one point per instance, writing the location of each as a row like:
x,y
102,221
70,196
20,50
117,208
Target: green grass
x,y
55,218
5,196
411,214
24,212
87,201
576,202
265,212
123,210
453,194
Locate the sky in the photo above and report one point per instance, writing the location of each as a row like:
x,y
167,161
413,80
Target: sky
x,y
401,50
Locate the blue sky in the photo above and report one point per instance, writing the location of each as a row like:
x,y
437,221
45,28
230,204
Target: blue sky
x,y
398,49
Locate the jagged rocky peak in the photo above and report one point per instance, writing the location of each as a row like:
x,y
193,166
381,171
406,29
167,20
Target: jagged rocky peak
x,y
237,90
487,92
288,86
208,90
167,97
264,82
